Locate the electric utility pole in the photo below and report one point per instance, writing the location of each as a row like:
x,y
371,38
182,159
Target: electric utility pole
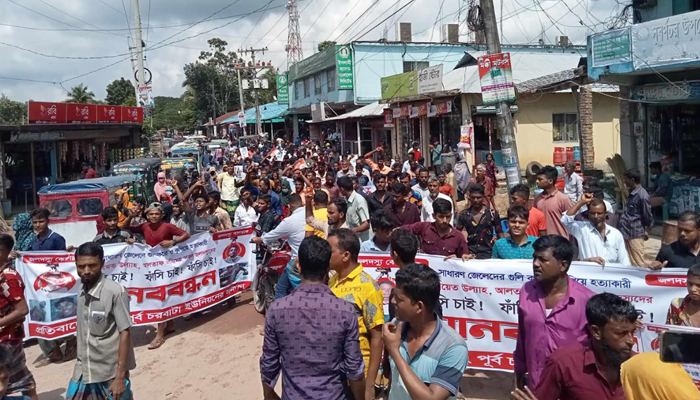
x,y
504,118
255,67
139,47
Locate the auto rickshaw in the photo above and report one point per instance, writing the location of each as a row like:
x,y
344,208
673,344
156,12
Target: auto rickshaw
x,y
77,206
147,168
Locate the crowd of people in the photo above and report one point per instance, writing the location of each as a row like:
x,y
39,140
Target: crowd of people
x,y
329,208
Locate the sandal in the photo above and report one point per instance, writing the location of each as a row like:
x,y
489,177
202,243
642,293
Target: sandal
x,y
156,343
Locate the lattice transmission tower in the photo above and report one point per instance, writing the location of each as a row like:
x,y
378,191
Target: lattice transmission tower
x,y
294,51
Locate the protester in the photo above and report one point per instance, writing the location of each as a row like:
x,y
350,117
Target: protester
x,y
331,187
105,352
422,186
379,165
445,188
685,251
213,208
245,214
138,206
573,183
426,212
439,237
402,211
382,226
161,185
312,365
482,224
646,377
319,201
179,217
663,186
685,311
590,369
229,187
352,284
267,220
636,217
275,203
293,229
380,198
537,224
414,152
200,220
518,244
428,357
489,186
158,233
436,156
358,213
24,233
112,232
13,310
551,309
552,202
598,242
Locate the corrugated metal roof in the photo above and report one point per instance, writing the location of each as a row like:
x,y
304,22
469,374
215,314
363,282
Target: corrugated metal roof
x,y
369,111
525,66
268,112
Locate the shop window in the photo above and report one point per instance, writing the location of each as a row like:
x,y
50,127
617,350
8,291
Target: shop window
x,y
564,128
409,66
317,84
90,207
298,90
330,78
60,209
307,87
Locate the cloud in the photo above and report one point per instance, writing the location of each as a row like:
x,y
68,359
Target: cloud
x,y
76,33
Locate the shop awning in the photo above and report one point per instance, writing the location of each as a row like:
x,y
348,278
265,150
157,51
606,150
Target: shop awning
x,y
374,110
270,112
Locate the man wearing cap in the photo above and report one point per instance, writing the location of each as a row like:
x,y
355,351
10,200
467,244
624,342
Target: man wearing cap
x,y
156,232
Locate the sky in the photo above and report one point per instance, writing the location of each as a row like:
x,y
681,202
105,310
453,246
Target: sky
x,y
87,41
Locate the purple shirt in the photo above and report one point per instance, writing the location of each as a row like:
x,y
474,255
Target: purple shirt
x,y
540,334
313,337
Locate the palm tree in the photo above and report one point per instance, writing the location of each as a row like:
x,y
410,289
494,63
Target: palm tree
x,y
80,94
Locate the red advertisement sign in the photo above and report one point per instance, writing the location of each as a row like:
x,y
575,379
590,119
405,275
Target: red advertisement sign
x,y
388,118
132,115
47,113
81,114
109,114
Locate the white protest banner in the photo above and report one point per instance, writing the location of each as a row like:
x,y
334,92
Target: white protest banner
x,y
480,298
162,283
244,152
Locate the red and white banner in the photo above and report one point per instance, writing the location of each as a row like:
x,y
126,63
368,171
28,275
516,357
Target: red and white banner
x,y
71,113
162,283
46,113
480,298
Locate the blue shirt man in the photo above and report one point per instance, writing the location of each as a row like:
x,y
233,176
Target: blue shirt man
x,y
507,249
45,239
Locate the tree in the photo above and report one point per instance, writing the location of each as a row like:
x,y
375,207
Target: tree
x,y
80,94
119,92
325,44
12,112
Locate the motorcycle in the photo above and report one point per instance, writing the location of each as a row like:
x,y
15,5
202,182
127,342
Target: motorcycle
x,y
268,272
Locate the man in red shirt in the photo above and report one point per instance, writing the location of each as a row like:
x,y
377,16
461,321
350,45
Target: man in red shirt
x,y
88,172
551,201
13,309
591,369
440,237
158,233
537,224
415,152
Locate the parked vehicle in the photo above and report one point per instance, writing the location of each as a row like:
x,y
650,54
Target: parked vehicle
x,y
267,274
76,207
146,168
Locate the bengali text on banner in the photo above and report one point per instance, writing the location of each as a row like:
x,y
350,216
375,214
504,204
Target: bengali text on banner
x,y
162,283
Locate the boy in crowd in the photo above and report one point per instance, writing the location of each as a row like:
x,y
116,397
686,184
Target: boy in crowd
x,y
112,232
518,245
382,225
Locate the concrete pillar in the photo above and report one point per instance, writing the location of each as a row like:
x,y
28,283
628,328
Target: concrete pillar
x,y
295,127
425,140
585,112
466,119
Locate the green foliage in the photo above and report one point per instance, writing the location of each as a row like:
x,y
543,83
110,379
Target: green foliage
x,y
80,94
172,113
120,92
12,112
325,44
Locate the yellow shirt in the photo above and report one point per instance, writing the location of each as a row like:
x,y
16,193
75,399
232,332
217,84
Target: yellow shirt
x,y
322,215
362,291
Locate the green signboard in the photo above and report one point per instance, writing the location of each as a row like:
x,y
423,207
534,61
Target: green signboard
x,y
282,90
611,48
401,85
344,67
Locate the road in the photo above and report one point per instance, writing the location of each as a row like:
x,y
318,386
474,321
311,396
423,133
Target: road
x,y
214,356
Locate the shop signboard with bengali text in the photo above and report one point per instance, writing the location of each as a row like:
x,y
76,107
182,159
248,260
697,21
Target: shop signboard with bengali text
x,y
344,67
666,41
132,115
496,78
109,114
282,89
47,113
388,118
611,48
412,83
659,92
81,114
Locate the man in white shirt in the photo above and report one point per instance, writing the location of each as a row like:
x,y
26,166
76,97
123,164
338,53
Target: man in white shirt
x,y
597,241
294,229
422,186
426,213
573,183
